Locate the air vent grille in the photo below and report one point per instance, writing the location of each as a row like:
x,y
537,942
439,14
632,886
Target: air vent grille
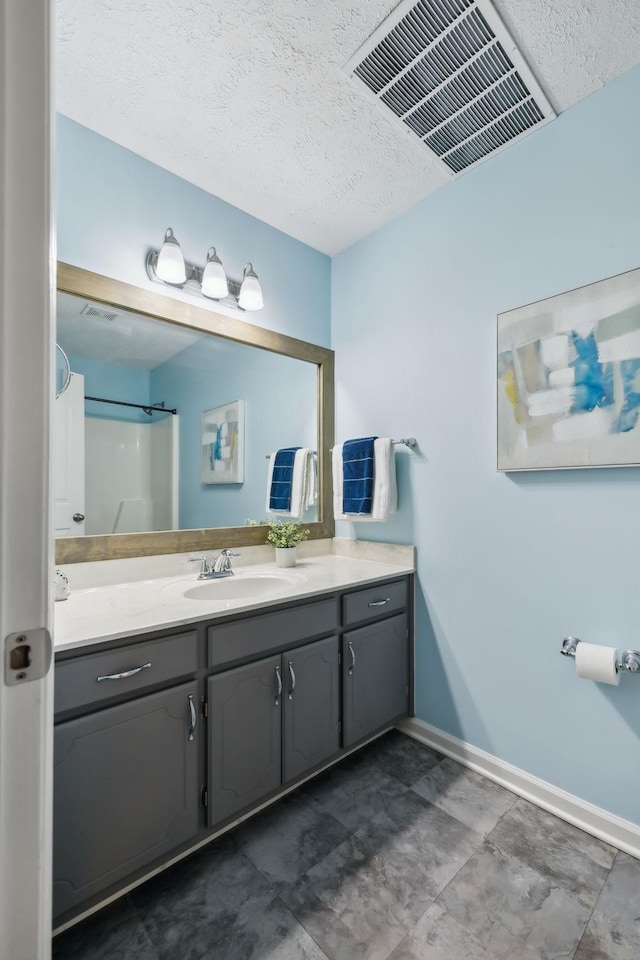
x,y
426,21
499,134
442,68
470,83
107,315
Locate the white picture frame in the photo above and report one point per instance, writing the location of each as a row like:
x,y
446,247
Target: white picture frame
x,y
568,379
222,444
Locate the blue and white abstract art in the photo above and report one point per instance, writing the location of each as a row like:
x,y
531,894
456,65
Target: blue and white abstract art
x,y
569,379
222,444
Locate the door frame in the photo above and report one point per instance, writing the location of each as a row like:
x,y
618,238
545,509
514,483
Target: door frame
x,y
27,264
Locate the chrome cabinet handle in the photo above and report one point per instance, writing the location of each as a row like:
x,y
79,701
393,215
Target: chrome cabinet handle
x,y
193,717
293,679
279,693
123,676
78,517
380,603
353,657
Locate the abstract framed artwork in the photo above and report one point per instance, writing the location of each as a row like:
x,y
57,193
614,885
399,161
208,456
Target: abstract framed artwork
x,y
222,443
568,379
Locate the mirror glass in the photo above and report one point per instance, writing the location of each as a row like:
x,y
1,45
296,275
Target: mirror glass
x,y
168,428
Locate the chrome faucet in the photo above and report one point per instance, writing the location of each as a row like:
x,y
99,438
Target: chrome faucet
x,y
222,566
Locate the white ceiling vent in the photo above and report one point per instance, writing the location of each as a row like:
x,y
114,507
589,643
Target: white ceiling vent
x,y
89,310
451,73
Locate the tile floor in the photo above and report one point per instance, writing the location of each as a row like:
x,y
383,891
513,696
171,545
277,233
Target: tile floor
x,y
396,853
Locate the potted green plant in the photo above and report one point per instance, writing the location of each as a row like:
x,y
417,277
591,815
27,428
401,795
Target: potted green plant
x,y
285,537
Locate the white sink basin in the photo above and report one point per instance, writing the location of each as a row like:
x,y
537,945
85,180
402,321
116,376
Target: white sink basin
x,y
237,588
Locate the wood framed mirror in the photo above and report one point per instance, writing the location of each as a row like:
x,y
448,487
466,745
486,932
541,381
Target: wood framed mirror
x,y
193,333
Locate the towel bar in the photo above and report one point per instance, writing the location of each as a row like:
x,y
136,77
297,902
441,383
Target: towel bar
x,y
629,661
267,455
410,442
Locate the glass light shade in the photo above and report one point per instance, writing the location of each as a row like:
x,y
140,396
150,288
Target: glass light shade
x,y
214,280
170,264
250,292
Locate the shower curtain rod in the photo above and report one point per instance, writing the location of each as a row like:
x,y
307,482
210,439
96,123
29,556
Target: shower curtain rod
x,y
149,409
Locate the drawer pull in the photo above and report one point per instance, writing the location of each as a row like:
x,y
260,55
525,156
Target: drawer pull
x,y
279,693
193,718
380,603
123,676
293,679
353,658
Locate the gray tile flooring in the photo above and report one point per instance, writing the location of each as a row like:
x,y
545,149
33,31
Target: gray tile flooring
x,y
395,854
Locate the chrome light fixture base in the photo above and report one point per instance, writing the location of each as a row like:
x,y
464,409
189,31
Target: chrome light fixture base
x,y
193,282
245,294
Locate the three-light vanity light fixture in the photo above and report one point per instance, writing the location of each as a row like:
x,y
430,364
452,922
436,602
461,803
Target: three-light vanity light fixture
x,y
168,266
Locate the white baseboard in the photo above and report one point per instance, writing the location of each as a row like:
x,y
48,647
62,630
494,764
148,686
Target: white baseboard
x,y
595,820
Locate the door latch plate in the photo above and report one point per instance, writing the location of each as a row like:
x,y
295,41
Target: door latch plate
x,y
27,656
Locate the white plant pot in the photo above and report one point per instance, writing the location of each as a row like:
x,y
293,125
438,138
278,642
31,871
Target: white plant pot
x,y
286,556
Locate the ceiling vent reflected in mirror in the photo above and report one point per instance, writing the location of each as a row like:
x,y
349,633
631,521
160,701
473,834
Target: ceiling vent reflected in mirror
x,y
451,74
107,315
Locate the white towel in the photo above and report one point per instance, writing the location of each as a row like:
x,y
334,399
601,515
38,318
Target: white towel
x,y
304,483
385,490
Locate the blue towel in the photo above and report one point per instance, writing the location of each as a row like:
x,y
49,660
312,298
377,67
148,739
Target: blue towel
x,y
357,473
280,493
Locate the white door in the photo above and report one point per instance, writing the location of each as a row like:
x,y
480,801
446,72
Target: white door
x,y
68,460
27,256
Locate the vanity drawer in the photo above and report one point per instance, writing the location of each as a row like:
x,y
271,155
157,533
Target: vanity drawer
x,y
374,602
169,659
258,635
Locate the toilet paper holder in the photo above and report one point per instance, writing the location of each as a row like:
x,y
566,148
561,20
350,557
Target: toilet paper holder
x,y
629,661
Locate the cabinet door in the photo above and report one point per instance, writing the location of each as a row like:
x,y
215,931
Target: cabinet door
x,y
245,710
311,706
375,665
126,790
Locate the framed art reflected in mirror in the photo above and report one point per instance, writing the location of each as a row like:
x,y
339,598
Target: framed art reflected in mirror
x,y
222,443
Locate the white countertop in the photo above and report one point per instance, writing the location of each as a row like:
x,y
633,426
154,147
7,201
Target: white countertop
x,y
108,612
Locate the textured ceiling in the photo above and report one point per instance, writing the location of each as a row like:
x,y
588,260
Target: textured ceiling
x,y
247,98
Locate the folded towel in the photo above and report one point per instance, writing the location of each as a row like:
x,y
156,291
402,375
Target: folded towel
x,y
303,483
385,491
309,465
281,479
357,476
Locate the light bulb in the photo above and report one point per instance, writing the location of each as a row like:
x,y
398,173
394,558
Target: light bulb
x,y
214,281
250,292
170,264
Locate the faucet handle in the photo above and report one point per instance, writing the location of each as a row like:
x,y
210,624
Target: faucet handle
x,y
205,568
230,553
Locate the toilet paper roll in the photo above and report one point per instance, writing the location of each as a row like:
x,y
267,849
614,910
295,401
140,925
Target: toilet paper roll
x,y
594,662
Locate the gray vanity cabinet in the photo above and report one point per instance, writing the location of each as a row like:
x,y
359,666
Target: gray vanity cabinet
x,y
269,723
311,707
375,665
126,791
245,744
244,705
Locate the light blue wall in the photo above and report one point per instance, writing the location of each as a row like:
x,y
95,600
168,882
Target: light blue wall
x,y
280,410
508,565
113,382
113,206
